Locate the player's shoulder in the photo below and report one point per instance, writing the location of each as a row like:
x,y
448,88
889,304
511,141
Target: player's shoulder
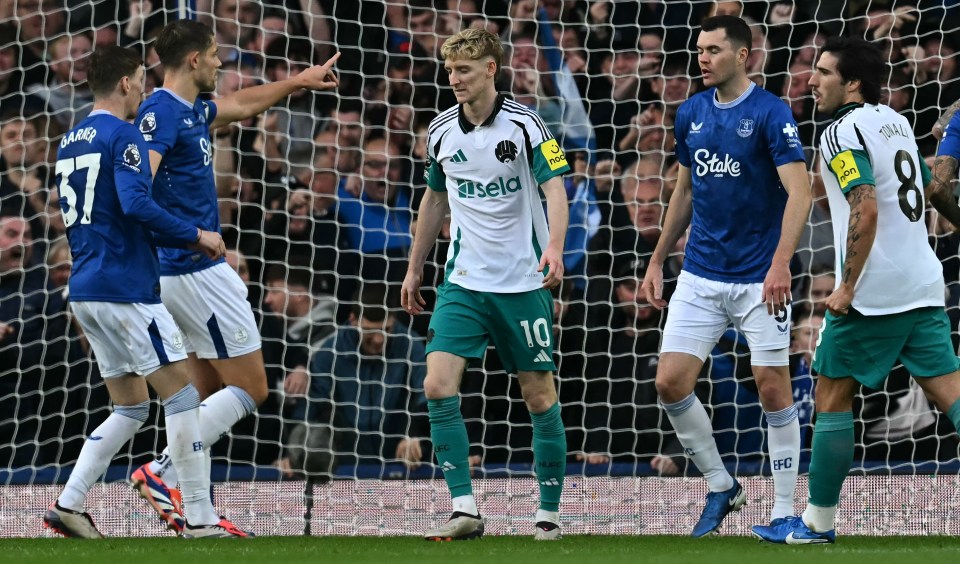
x,y
444,121
697,101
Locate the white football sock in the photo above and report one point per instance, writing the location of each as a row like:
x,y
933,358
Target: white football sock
x,y
218,413
695,433
466,504
98,452
783,445
549,516
186,449
820,519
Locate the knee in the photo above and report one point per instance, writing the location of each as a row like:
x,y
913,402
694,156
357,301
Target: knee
x,y
671,389
435,387
540,400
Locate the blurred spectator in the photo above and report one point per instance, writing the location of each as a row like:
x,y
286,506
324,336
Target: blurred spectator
x,y
822,282
306,316
66,94
33,339
803,342
15,78
365,401
625,421
39,21
377,222
797,95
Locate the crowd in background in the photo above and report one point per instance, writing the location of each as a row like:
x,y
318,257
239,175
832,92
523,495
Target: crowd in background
x,y
319,199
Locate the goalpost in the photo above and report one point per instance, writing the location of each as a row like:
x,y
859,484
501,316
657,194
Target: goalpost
x,y
606,77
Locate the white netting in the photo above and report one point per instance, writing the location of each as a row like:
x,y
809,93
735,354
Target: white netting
x,y
605,76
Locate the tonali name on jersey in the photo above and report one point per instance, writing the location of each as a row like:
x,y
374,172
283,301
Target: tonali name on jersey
x,y
180,131
873,145
492,173
733,150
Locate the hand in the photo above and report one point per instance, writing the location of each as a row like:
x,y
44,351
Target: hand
x,y
296,382
592,458
665,465
320,77
883,24
410,299
552,258
776,288
139,10
913,55
838,303
353,185
603,174
782,13
599,11
652,287
5,331
475,461
409,451
210,244
283,464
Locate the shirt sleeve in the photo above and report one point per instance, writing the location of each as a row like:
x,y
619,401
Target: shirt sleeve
x,y
548,159
159,128
847,157
783,135
433,171
209,108
950,144
680,129
131,168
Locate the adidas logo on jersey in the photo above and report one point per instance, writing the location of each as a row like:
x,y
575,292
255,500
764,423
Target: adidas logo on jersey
x,y
447,466
459,157
550,482
467,189
542,357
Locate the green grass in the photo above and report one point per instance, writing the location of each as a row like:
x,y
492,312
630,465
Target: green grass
x,y
490,550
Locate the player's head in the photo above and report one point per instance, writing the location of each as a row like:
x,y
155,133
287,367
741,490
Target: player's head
x,y
472,59
117,72
16,241
723,48
372,318
289,291
848,70
187,46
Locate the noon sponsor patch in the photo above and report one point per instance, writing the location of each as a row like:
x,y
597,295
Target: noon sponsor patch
x,y
845,167
553,154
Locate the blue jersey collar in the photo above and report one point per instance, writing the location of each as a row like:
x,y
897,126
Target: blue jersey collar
x,y
733,103
176,97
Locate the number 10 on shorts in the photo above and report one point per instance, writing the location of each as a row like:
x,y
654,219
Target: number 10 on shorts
x,y
539,332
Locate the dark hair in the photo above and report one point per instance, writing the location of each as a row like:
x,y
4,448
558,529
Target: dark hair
x,y
859,60
180,38
288,50
108,64
370,302
737,30
295,274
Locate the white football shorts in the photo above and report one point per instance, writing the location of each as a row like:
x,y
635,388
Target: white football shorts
x,y
130,338
211,308
701,310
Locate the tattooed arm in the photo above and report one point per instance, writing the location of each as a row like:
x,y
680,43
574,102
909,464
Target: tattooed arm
x,y
861,232
940,190
941,125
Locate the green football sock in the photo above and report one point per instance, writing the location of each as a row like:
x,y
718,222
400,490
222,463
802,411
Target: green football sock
x,y
831,458
550,455
954,414
450,443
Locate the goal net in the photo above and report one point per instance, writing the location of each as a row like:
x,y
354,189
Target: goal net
x,y
318,199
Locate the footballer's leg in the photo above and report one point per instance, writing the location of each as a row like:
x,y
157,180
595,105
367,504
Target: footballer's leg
x,y
783,427
451,446
549,449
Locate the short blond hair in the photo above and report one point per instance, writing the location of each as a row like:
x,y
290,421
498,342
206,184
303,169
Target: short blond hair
x,y
475,44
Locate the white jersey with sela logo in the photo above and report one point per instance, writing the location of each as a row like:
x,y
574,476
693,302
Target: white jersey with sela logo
x,y
492,175
874,145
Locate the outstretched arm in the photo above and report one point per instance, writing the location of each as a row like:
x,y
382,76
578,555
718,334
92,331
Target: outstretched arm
x,y
941,125
776,285
254,101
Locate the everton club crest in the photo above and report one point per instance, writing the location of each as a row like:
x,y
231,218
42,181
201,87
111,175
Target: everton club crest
x,y
745,128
